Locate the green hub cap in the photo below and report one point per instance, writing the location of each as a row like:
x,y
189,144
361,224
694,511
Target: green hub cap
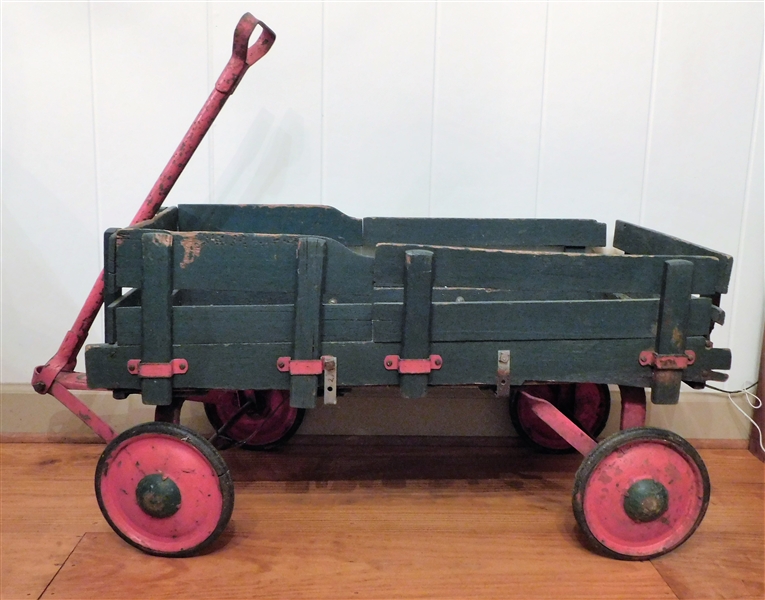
x,y
646,500
158,496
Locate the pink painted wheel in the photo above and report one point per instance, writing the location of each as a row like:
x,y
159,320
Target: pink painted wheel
x,y
164,489
641,493
586,404
269,422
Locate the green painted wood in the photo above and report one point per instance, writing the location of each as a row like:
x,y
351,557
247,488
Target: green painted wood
x,y
484,233
156,317
262,323
415,334
475,294
639,240
674,312
505,269
111,292
237,262
165,220
545,320
252,366
307,341
322,221
468,321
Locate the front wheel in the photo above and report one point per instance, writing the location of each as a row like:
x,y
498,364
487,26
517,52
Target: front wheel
x,y
164,489
641,493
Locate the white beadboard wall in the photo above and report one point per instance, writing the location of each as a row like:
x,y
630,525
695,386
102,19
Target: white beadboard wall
x,y
647,112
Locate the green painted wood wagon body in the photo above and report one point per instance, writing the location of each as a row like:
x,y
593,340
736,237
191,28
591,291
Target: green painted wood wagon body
x,y
252,297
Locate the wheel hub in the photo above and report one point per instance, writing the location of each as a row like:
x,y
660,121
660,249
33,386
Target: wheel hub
x,y
158,496
646,500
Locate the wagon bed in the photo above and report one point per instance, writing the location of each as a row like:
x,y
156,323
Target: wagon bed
x,y
232,290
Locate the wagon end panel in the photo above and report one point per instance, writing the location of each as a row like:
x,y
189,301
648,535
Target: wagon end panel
x,y
633,239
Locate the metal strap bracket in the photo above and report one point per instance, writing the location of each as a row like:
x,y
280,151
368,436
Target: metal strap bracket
x,y
674,362
326,365
503,374
177,366
411,366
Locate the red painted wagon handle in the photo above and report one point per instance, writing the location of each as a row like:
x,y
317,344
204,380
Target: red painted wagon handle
x,y
242,58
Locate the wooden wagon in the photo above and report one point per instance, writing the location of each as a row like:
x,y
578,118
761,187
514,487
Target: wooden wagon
x,y
259,311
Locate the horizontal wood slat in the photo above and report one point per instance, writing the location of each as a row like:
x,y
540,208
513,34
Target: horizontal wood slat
x,y
550,320
506,269
246,262
484,233
323,221
245,366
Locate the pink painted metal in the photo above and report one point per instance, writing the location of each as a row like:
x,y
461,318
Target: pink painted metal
x,y
201,498
271,420
300,367
587,404
177,366
604,498
413,366
242,58
87,416
633,407
667,361
560,423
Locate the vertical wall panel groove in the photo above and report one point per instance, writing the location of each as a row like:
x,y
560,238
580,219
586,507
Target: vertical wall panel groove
x,y
542,112
649,121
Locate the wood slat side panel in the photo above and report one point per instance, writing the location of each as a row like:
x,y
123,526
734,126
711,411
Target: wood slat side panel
x,y
484,233
505,269
634,239
323,221
246,366
246,262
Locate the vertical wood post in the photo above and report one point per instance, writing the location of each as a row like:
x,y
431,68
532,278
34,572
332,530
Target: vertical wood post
x,y
311,255
418,289
111,291
156,313
674,310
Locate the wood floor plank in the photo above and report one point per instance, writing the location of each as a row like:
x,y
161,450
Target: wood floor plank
x,y
725,558
366,562
337,519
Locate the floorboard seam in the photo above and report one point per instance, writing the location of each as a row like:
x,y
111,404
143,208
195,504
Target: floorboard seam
x,y
669,586
68,556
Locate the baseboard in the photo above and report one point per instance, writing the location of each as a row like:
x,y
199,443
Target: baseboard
x,y
707,417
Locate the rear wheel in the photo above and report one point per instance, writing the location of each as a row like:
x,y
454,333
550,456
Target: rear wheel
x,y
267,421
586,404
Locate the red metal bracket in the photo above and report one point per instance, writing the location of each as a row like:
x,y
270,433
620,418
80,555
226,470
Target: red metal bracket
x,y
177,366
667,361
411,366
301,367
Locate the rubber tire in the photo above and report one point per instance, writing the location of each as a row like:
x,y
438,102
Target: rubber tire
x,y
613,444
521,429
211,411
187,435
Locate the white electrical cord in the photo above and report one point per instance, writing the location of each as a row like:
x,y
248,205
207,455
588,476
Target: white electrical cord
x,y
751,399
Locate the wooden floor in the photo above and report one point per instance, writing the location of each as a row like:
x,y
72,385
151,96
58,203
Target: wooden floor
x,y
361,518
